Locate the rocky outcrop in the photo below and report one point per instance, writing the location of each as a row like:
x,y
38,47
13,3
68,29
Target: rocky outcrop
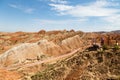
x,y
49,48
20,54
72,43
11,39
33,51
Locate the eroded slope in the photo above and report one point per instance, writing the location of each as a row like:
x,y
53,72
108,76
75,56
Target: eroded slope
x,y
85,65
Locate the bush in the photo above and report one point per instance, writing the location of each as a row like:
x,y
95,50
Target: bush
x,y
116,47
105,47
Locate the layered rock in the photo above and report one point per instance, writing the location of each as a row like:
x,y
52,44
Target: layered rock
x,y
33,51
20,53
72,43
11,39
49,48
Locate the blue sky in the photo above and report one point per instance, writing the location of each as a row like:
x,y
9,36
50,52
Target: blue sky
x,y
34,15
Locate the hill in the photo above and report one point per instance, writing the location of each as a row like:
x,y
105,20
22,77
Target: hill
x,y
44,55
87,65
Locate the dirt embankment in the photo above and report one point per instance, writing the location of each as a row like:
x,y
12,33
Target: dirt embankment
x,y
9,75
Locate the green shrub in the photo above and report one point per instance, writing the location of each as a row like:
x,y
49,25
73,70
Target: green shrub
x,y
105,47
116,47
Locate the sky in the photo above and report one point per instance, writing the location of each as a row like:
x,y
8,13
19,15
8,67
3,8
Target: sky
x,y
35,15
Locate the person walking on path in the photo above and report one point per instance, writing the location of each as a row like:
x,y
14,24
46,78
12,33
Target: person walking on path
x,y
116,42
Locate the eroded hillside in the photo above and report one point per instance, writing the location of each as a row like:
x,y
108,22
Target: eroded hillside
x,y
9,40
58,55
87,65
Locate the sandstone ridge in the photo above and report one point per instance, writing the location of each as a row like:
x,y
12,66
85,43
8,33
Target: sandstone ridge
x,y
33,51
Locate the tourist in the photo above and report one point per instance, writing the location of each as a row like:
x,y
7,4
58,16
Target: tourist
x,y
102,41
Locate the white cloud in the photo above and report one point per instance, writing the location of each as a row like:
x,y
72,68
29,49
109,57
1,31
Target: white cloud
x,y
104,12
13,5
22,8
29,10
113,22
104,3
98,8
55,1
59,1
61,7
113,19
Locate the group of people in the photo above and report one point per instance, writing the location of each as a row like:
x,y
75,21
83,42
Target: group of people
x,y
102,41
96,46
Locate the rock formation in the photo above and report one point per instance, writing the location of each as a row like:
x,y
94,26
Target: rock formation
x,y
47,55
32,51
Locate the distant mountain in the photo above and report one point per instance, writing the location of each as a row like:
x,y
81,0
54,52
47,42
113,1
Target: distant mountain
x,y
101,32
116,31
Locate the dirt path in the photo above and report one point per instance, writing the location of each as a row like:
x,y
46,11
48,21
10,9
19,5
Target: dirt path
x,y
45,61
